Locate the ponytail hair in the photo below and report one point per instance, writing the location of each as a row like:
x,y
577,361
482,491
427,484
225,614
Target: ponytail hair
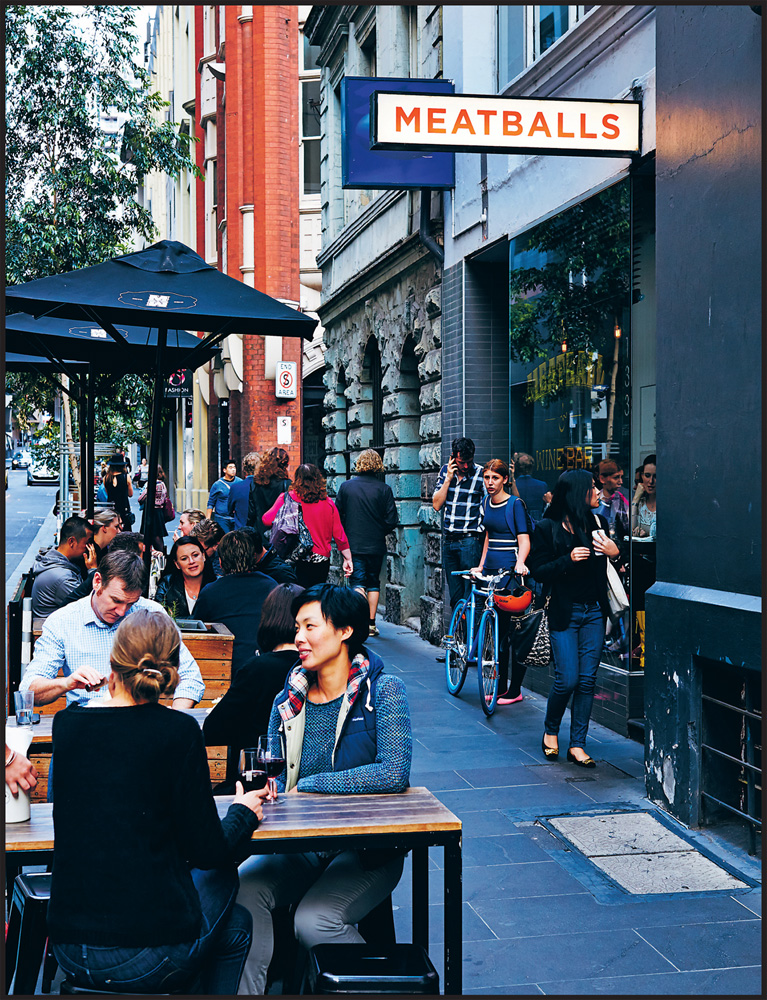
x,y
145,655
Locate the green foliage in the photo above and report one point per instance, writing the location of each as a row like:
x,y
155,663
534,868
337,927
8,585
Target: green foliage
x,y
584,282
70,185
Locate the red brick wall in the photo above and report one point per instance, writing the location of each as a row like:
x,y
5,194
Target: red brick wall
x,y
261,137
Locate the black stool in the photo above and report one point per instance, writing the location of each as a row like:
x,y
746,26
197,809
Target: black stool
x,y
27,932
402,969
71,989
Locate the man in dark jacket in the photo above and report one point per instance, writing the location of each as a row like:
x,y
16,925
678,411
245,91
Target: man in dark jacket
x,y
368,513
235,599
57,578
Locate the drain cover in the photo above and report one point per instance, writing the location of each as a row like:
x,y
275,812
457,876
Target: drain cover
x,y
642,855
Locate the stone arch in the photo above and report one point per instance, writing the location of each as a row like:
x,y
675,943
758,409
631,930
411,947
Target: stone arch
x,y
369,416
406,557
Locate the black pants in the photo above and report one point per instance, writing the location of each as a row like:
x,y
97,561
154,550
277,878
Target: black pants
x,y
310,573
505,653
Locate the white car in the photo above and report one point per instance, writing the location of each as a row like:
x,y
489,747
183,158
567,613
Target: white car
x,y
39,474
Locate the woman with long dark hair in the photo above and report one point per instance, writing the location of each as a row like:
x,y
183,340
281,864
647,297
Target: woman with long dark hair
x,y
569,554
157,511
270,480
323,521
186,573
144,878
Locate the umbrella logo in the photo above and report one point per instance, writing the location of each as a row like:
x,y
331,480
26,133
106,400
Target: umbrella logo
x,y
96,332
157,300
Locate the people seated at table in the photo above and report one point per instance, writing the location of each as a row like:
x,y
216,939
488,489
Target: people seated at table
x,y
106,524
243,713
56,575
144,872
236,599
187,521
77,639
210,534
344,726
187,571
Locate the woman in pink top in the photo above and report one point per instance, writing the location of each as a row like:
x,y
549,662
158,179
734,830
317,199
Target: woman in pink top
x,y
323,521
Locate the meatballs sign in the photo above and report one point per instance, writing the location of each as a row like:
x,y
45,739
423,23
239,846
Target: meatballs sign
x,y
471,123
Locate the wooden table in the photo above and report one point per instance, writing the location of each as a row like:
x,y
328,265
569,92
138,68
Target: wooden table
x,y
414,820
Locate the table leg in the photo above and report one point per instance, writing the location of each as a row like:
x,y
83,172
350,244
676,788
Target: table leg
x,y
421,896
453,917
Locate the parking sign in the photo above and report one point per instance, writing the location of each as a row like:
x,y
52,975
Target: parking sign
x,y
285,384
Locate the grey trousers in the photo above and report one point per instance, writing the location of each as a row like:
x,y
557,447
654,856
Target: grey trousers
x,y
334,895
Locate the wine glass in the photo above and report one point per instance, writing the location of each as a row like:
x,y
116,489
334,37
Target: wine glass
x,y
252,774
271,759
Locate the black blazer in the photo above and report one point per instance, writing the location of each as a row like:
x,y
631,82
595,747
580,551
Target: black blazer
x,y
550,563
243,713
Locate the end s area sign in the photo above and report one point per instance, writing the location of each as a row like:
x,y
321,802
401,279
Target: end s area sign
x,y
285,383
472,123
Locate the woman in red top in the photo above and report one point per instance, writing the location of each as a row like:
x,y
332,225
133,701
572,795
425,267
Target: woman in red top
x,y
323,521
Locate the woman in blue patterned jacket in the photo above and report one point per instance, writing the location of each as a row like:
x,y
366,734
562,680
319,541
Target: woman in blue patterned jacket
x,y
345,728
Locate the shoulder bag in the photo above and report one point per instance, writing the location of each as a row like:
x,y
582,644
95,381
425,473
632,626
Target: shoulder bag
x,y
616,593
290,538
530,638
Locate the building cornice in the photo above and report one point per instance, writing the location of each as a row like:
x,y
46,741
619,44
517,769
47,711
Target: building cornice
x,y
349,233
389,267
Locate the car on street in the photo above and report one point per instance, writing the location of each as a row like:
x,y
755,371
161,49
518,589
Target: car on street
x,y
38,474
21,459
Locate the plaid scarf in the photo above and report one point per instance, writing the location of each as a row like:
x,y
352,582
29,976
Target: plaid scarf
x,y
300,680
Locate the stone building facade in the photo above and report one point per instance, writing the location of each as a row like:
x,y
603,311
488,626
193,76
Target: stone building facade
x,y
381,306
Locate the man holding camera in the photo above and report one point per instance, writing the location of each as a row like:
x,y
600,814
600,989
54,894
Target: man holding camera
x,y
460,491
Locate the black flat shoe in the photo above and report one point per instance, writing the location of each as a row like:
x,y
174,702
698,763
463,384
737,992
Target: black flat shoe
x,y
550,753
586,762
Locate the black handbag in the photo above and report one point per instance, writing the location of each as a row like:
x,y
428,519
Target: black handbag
x,y
530,638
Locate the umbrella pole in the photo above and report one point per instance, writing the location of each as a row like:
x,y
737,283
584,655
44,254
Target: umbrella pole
x,y
154,455
87,475
82,408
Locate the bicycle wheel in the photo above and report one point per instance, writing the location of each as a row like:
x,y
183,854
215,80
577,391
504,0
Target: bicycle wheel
x,y
456,665
487,663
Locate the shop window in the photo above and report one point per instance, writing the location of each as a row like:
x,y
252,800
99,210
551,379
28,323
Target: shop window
x,y
569,327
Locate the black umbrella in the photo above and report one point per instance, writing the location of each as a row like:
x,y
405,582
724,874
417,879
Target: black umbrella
x,y
167,286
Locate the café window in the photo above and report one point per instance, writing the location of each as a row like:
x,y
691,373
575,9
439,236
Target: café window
x,y
570,378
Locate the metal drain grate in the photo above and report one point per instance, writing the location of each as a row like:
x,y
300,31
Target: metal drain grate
x,y
642,855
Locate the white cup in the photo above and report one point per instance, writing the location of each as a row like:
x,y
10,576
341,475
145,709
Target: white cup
x,y
598,533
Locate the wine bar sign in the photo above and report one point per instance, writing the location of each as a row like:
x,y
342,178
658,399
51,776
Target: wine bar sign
x,y
472,123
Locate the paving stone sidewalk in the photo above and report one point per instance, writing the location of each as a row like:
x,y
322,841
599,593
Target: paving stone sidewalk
x,y
538,915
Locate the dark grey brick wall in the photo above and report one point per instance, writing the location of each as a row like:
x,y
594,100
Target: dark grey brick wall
x,y
452,356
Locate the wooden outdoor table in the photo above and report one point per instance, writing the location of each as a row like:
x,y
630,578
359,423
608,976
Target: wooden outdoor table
x,y
42,731
414,820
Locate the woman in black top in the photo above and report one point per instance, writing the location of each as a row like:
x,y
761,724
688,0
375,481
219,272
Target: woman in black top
x,y
243,713
144,876
187,571
569,554
269,482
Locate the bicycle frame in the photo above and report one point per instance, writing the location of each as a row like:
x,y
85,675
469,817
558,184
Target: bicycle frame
x,y
472,617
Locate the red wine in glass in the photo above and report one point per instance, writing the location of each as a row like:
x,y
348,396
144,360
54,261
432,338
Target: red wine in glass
x,y
272,762
252,774
274,766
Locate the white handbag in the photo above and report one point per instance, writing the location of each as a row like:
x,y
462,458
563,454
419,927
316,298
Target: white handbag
x,y
616,592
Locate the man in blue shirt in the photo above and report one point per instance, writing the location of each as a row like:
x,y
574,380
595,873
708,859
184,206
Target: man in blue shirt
x,y
218,498
460,491
237,507
534,492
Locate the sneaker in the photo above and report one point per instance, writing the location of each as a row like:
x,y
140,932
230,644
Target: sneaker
x,y
510,701
373,631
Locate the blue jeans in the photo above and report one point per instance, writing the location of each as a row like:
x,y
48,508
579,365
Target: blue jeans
x,y
218,954
459,552
577,652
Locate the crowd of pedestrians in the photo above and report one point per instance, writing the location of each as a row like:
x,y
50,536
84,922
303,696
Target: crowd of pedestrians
x,y
300,655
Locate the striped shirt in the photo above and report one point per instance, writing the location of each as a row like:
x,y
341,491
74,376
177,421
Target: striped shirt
x,y
463,507
74,636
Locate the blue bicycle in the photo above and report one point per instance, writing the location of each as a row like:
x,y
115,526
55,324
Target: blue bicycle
x,y
464,644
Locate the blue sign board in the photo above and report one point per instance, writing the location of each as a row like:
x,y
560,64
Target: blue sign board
x,y
363,167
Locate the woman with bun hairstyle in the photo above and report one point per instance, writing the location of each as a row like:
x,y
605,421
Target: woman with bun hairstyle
x,y
506,546
270,480
569,554
144,873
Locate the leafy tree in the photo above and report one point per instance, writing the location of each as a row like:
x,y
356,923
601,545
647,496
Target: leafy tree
x,y
71,182
583,282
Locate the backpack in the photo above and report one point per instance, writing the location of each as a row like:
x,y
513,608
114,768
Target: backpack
x,y
290,537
